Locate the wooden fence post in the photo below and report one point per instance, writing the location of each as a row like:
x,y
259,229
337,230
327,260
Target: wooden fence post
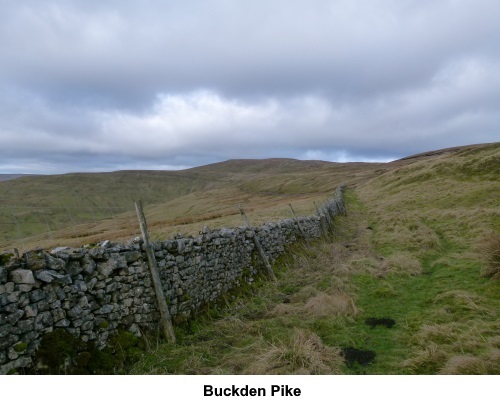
x,y
270,272
341,208
321,222
166,320
297,222
331,220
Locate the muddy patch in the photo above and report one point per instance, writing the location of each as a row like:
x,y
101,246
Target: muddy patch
x,y
362,357
373,322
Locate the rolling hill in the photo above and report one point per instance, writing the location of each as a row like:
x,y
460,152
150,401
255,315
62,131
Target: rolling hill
x,y
77,208
409,284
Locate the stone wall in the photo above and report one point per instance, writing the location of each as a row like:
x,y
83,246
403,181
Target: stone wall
x,y
91,292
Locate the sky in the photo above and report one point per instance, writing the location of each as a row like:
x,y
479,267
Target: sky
x,y
103,85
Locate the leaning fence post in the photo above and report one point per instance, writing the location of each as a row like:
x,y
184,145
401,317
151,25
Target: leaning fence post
x,y
341,207
297,222
321,222
270,272
166,320
331,219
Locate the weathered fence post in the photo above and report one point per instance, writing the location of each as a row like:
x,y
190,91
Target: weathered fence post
x,y
269,269
20,237
166,320
321,222
330,218
297,222
341,208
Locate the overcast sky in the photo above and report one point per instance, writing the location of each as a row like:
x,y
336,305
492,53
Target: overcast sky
x,y
100,85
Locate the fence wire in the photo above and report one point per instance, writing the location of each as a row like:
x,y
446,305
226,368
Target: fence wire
x,y
26,227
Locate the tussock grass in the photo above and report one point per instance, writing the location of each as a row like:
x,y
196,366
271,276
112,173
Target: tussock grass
x,y
489,363
465,364
437,334
489,248
304,294
411,249
438,221
401,263
424,361
302,353
458,300
271,329
338,304
319,305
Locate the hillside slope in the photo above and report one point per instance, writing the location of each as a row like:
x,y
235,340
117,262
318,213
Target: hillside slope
x,y
78,208
407,286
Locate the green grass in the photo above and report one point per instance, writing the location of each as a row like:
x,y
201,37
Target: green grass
x,y
78,208
420,266
418,246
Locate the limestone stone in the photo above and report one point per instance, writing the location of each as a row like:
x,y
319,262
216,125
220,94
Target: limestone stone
x,y
21,276
30,311
54,263
115,262
88,265
132,256
9,260
63,323
48,276
12,365
80,285
14,316
73,268
25,287
43,320
3,275
25,325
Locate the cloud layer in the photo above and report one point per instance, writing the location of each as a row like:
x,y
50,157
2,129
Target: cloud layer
x,y
105,85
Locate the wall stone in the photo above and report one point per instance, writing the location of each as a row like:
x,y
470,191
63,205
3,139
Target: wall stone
x,y
92,292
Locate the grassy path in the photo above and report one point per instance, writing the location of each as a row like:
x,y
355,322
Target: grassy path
x,y
445,315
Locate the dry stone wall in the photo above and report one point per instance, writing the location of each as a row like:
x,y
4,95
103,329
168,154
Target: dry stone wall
x,y
92,292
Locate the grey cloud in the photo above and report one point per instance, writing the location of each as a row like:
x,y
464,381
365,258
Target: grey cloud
x,y
84,83
261,46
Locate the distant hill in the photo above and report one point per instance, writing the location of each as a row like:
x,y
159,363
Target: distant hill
x,y
78,208
5,177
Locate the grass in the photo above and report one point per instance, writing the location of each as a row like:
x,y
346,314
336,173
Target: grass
x,y
81,208
270,329
439,214
417,248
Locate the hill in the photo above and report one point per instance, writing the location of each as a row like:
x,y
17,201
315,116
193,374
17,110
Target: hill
x,y
77,208
5,177
409,285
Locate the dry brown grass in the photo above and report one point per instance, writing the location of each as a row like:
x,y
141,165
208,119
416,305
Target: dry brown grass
x,y
456,300
488,363
470,347
175,202
424,360
437,334
303,353
338,304
401,263
464,364
489,248
304,294
309,302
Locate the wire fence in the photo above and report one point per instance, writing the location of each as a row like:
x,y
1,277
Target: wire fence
x,y
27,227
